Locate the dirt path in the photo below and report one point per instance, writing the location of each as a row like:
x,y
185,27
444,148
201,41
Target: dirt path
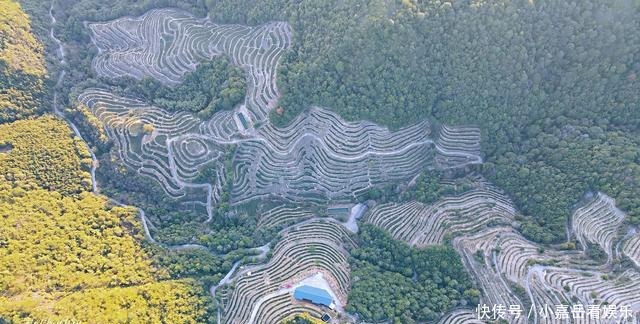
x,y
95,189
56,111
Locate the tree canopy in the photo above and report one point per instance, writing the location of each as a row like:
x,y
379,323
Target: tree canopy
x,y
396,282
44,154
22,67
214,85
67,254
553,85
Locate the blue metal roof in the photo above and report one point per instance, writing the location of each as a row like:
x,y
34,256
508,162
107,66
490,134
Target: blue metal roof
x,y
314,295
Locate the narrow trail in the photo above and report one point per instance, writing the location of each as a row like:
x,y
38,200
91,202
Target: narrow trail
x,y
540,270
630,232
223,282
174,173
60,49
56,111
94,164
237,269
230,275
496,266
568,229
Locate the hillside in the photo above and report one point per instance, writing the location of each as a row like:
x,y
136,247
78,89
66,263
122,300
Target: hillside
x,y
553,85
411,160
44,155
20,51
22,66
65,253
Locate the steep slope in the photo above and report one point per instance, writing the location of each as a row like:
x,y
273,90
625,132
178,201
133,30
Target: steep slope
x,y
22,67
65,254
555,90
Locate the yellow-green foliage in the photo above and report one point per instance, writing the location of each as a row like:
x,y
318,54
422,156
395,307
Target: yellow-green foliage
x,y
19,49
44,154
302,318
70,256
22,67
65,254
16,103
175,301
57,243
93,123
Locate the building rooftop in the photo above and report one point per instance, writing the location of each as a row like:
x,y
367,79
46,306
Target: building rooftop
x,y
315,295
341,209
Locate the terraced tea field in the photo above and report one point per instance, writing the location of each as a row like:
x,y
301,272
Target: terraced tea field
x,y
317,157
310,247
321,159
511,270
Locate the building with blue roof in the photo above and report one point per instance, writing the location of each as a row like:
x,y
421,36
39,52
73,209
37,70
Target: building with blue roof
x,y
314,295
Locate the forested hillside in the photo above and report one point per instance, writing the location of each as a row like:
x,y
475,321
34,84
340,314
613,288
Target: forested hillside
x,y
65,253
44,155
213,86
552,84
71,15
393,281
22,68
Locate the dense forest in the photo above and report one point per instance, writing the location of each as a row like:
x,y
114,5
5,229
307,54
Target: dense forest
x,y
215,85
304,318
396,282
552,84
22,67
430,186
61,166
65,253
